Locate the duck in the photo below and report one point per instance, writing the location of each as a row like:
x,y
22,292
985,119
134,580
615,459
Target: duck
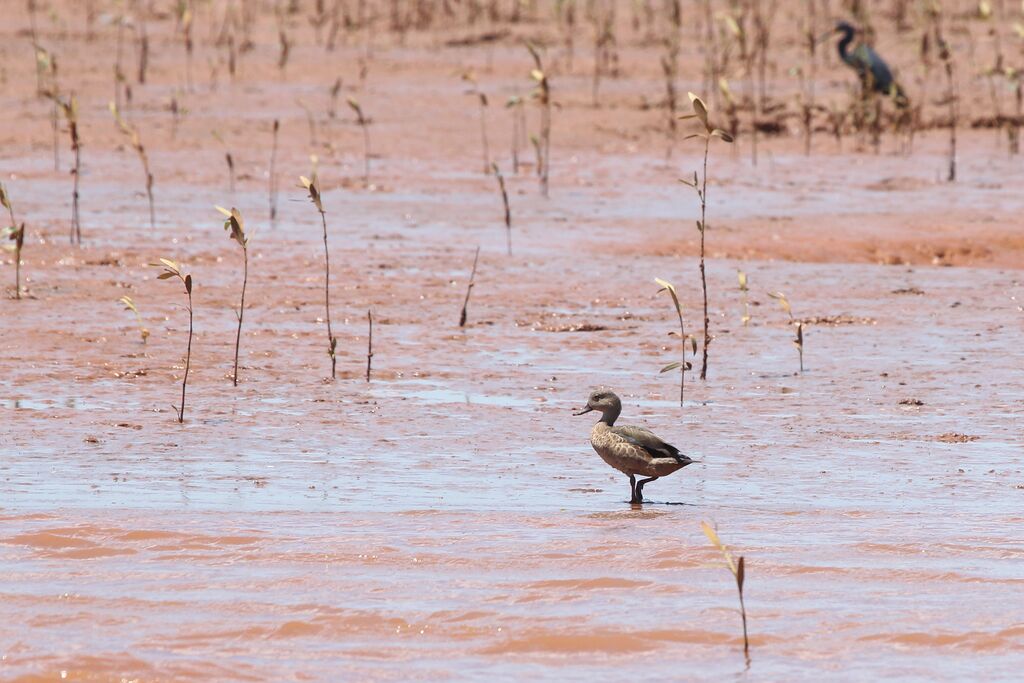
x,y
634,451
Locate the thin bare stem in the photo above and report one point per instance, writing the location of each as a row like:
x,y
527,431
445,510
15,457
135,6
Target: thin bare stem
x,y
508,210
241,308
369,344
272,182
188,360
331,341
703,274
469,290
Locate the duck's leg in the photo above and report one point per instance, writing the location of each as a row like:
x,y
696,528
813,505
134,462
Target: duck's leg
x,y
632,490
640,488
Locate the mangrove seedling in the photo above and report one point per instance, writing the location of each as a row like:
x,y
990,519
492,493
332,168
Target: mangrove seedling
x,y
515,105
313,188
798,342
172,269
543,96
469,290
332,108
310,121
15,233
235,226
129,305
482,100
369,344
272,181
700,112
951,98
133,135
363,123
504,200
737,567
682,365
70,109
745,292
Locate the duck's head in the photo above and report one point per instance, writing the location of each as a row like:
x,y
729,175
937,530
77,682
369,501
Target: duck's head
x,y
603,400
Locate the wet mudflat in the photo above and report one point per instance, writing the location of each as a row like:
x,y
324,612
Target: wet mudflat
x,y
448,520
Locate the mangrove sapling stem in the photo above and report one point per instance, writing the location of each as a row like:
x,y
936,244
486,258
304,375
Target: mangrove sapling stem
x,y
231,172
369,344
469,290
682,365
364,123
272,181
133,134
504,200
313,187
129,305
543,95
738,569
16,234
798,342
745,291
236,227
172,269
70,109
481,98
700,112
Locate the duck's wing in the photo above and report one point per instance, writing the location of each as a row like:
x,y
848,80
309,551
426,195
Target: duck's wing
x,y
649,441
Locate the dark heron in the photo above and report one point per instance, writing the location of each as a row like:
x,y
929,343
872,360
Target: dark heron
x,y
874,73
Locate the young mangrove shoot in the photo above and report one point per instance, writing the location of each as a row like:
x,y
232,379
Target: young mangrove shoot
x,y
542,143
272,181
133,135
129,305
481,98
700,185
235,226
70,109
798,342
172,269
369,344
745,292
312,186
737,567
504,201
682,365
14,233
363,123
469,290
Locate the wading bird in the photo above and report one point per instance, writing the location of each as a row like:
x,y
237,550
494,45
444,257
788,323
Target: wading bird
x,y
631,450
872,70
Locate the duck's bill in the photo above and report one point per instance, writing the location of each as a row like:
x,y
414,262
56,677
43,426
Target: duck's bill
x,y
584,411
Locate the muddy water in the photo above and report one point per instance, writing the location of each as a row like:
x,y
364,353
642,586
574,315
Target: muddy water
x,y
448,520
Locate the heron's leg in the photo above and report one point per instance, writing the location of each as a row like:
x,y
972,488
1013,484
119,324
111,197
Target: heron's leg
x,y
640,488
632,489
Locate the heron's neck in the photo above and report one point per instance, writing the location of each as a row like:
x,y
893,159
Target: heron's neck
x,y
844,46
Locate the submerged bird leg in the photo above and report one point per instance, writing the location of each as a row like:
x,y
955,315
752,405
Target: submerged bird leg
x,y
640,488
633,497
